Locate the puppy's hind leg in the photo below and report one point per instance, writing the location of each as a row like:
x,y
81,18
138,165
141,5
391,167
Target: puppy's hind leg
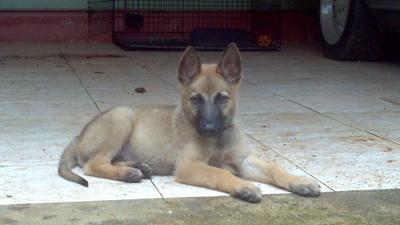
x,y
144,168
106,136
99,167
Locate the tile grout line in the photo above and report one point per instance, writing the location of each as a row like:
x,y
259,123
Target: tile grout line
x,y
98,108
94,102
348,125
329,117
158,190
80,81
152,73
274,150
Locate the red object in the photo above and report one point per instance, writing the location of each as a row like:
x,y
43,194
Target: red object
x,y
264,40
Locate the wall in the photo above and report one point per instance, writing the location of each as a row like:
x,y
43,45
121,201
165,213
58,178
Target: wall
x,y
67,21
43,4
82,4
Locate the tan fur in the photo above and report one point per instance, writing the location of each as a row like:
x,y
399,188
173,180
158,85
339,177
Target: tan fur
x,y
123,143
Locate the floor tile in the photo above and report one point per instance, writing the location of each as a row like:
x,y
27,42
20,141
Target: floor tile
x,y
46,95
44,105
346,103
41,184
168,73
289,124
329,150
92,49
20,49
385,124
34,65
16,83
312,133
256,100
47,110
363,162
33,150
354,171
169,188
130,95
149,57
37,140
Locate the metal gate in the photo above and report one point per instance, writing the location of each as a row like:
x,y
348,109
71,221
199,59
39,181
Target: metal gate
x,y
174,24
204,24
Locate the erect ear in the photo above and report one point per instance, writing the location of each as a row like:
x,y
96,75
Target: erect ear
x,y
189,66
230,65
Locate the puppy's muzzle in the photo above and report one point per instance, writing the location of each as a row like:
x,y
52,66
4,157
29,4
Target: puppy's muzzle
x,y
210,121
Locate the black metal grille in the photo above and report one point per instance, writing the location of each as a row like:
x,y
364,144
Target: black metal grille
x,y
205,24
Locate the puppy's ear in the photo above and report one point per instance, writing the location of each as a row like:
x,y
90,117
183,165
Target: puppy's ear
x,y
230,65
189,66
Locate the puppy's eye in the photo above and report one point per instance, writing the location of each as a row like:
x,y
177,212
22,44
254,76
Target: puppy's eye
x,y
196,100
222,99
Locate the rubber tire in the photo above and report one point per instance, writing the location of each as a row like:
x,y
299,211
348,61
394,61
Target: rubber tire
x,y
361,38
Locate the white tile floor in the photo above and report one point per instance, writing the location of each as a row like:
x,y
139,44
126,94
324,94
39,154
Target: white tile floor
x,y
321,118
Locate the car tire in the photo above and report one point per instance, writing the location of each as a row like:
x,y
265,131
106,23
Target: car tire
x,y
358,38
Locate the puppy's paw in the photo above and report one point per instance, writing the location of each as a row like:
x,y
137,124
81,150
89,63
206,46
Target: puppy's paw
x,y
249,193
132,176
305,187
145,169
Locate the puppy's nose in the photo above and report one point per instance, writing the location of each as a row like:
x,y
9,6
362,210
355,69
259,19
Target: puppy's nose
x,y
209,128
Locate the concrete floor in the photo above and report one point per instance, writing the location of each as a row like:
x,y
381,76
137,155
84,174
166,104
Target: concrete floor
x,y
339,208
337,122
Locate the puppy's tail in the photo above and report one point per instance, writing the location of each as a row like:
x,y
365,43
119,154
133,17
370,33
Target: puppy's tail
x,y
67,162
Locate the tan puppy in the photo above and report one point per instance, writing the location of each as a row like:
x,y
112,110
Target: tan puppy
x,y
194,140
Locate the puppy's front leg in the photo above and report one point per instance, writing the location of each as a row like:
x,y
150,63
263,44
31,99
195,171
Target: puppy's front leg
x,y
201,174
256,169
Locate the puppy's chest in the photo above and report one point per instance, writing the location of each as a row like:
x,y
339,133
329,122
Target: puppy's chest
x,y
219,159
219,153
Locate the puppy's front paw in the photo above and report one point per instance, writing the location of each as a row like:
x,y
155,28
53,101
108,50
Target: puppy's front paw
x,y
305,187
249,193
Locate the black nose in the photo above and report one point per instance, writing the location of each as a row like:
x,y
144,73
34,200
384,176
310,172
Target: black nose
x,y
209,128
209,121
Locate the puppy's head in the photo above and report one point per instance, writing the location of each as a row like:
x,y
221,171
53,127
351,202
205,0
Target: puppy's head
x,y
208,91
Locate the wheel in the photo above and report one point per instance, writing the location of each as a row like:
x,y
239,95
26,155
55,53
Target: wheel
x,y
349,31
